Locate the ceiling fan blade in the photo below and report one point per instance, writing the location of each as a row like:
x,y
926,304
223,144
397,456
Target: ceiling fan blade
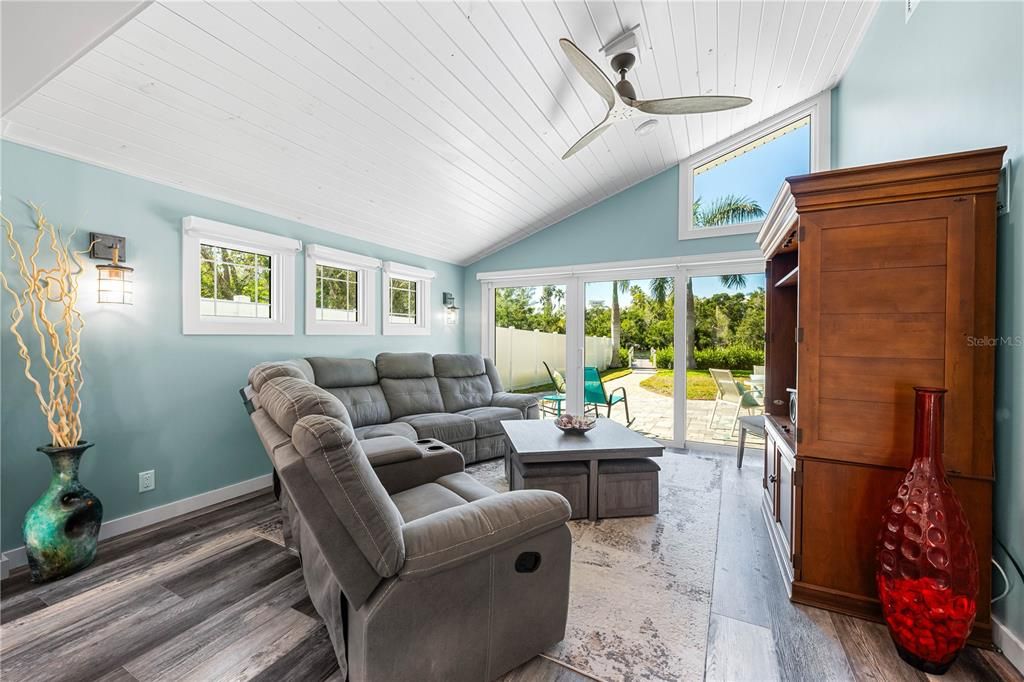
x,y
590,71
588,138
701,104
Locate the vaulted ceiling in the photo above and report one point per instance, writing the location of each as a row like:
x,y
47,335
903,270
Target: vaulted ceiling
x,y
434,127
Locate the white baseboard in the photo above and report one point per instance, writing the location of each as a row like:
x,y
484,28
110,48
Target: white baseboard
x,y
1012,646
13,558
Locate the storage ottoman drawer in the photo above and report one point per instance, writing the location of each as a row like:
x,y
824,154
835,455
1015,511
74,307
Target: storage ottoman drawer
x,y
568,479
627,487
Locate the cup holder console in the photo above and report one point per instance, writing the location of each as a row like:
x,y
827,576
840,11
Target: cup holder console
x,y
436,448
423,441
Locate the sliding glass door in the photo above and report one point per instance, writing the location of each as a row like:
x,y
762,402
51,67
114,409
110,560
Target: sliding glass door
x,y
628,324
675,351
529,343
723,355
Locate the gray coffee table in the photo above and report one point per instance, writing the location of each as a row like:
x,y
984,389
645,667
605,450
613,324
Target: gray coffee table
x,y
536,441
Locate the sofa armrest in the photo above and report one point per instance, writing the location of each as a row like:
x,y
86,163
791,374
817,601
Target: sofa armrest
x,y
526,404
454,536
389,450
427,467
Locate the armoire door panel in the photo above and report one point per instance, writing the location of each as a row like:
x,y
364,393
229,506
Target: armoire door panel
x,y
878,380
885,290
865,239
861,431
883,335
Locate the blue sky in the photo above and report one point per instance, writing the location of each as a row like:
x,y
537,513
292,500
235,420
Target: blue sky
x,y
758,173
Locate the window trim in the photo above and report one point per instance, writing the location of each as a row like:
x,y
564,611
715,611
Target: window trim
x,y
281,250
366,269
819,110
424,307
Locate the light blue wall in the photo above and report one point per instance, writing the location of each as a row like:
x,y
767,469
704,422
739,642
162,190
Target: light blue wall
x,y
951,80
637,223
155,399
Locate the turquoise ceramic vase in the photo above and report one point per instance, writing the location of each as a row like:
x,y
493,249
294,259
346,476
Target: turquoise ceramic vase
x,y
62,527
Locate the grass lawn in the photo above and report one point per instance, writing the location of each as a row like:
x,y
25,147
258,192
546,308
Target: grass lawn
x,y
699,385
606,375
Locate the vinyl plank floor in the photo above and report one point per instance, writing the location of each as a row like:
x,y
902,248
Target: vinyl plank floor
x,y
738,650
203,597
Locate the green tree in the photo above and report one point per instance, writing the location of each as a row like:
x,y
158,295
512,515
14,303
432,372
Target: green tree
x,y
513,307
750,330
597,320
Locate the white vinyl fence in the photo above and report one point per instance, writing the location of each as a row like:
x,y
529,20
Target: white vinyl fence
x,y
519,355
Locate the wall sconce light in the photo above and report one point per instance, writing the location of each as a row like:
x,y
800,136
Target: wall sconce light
x,y
451,312
115,280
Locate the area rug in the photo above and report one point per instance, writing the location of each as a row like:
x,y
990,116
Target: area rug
x,y
640,591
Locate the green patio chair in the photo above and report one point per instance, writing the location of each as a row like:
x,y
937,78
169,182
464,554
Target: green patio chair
x,y
735,395
594,393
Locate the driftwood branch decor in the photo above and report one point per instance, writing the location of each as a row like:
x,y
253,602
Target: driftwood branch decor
x,y
47,306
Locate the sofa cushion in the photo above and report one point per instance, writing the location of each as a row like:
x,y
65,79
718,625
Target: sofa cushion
x,y
462,393
488,419
343,372
455,365
423,500
405,365
366,404
288,399
412,396
338,466
463,381
450,428
354,382
465,486
383,430
265,371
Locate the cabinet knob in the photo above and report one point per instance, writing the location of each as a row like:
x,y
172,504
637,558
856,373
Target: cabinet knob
x,y
772,478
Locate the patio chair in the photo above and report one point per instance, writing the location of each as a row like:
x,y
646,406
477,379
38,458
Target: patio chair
x,y
594,393
733,394
552,403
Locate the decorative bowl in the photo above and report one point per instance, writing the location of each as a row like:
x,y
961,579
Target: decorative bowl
x,y
568,423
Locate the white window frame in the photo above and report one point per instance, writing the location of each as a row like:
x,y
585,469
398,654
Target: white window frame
x,y
819,110
281,250
424,307
366,272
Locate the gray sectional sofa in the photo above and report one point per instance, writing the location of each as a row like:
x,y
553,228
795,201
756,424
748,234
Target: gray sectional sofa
x,y
418,570
457,399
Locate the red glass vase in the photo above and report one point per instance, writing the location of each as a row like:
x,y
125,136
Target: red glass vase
x,y
927,564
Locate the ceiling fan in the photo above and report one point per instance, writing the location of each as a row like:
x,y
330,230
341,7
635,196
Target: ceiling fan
x,y
621,97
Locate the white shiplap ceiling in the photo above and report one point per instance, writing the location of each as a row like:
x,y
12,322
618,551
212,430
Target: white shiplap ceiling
x,y
433,127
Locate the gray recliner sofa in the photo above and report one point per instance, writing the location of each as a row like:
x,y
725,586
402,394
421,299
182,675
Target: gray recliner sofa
x,y
419,571
456,398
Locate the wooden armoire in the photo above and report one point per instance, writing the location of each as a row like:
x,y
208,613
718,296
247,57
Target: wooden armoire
x,y
879,278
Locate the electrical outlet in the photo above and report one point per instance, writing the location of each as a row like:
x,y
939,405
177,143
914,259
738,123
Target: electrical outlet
x,y
147,480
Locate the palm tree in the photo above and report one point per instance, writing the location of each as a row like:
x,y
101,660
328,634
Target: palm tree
x,y
726,210
660,288
617,286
